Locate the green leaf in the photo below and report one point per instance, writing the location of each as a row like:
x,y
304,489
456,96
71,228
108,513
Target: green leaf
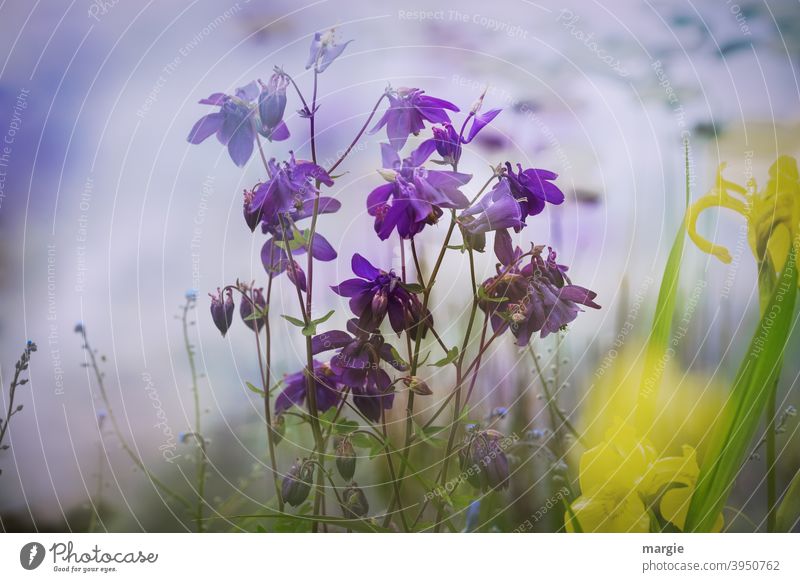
x,y
362,441
452,354
344,426
258,313
413,287
659,339
789,509
484,296
428,435
255,389
294,321
738,422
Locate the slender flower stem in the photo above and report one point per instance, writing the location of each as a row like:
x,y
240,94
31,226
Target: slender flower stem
x,y
115,425
16,381
454,425
358,136
556,414
201,460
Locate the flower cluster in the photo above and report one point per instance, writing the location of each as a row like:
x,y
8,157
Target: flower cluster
x,y
419,188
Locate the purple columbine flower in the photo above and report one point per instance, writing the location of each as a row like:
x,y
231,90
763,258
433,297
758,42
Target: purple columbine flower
x,y
484,460
294,394
378,293
222,310
414,196
538,297
291,184
448,141
234,123
408,110
255,295
496,211
271,107
324,50
358,364
286,233
532,188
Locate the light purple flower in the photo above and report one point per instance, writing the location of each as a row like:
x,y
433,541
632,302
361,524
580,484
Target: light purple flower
x,y
408,110
271,107
324,50
234,124
532,188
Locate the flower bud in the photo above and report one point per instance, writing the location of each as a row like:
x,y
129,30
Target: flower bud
x,y
246,310
484,461
388,175
297,483
272,102
252,216
345,458
448,143
417,385
354,502
222,310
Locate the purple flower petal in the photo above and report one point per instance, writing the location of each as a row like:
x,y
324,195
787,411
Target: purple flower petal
x,y
363,268
350,287
479,122
321,249
330,340
205,127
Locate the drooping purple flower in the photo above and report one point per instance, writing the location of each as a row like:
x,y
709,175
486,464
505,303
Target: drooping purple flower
x,y
532,188
484,460
296,386
286,234
271,107
246,311
496,211
222,310
234,124
538,297
448,143
324,50
377,293
408,110
413,196
358,364
297,482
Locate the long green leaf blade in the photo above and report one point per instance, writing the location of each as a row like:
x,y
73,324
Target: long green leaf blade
x,y
738,423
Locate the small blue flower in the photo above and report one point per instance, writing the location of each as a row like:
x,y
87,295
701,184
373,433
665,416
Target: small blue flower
x,y
324,50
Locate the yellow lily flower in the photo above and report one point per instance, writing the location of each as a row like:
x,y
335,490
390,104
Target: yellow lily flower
x,y
772,214
622,480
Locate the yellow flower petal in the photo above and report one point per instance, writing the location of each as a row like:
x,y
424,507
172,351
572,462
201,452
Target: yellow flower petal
x,y
610,511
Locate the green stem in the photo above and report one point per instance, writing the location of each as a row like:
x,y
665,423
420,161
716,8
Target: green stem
x,y
118,432
201,460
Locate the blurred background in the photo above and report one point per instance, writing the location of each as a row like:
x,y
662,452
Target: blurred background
x,y
108,216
